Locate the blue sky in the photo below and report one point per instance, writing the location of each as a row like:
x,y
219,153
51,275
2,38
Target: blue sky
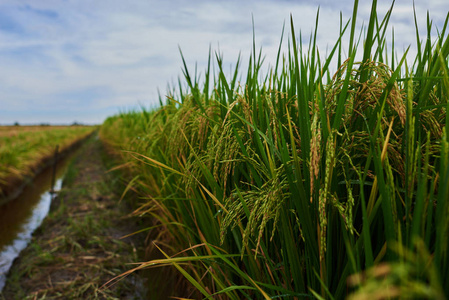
x,y
82,60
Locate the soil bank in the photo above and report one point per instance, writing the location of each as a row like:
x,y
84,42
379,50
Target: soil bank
x,y
14,185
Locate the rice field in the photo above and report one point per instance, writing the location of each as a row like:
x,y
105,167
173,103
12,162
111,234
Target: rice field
x,y
24,149
302,183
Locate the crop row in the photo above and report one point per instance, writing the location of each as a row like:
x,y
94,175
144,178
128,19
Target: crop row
x,y
302,183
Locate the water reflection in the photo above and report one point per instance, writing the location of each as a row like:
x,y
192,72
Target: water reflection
x,y
12,250
21,216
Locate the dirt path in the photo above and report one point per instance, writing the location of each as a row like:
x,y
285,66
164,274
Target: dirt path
x,y
78,247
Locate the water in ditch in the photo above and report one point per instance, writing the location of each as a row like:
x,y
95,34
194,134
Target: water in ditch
x,y
20,217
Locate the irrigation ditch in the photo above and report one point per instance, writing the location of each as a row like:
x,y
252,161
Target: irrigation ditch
x,y
78,246
25,203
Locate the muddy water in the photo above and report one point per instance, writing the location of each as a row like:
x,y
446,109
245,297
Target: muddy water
x,y
21,216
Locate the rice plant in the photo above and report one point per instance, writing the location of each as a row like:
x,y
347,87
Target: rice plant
x,y
304,183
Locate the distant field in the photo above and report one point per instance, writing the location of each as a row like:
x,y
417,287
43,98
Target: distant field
x,y
15,130
23,149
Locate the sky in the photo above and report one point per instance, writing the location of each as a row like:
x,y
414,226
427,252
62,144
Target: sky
x,y
66,61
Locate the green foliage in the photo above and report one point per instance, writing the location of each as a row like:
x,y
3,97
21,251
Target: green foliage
x,y
24,149
309,177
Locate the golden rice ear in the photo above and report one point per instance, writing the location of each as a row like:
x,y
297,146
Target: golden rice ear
x,y
430,123
315,155
365,95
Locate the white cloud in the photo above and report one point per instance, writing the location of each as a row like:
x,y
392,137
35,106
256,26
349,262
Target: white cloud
x,y
97,56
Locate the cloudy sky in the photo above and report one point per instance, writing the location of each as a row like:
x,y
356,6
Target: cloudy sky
x,y
81,60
